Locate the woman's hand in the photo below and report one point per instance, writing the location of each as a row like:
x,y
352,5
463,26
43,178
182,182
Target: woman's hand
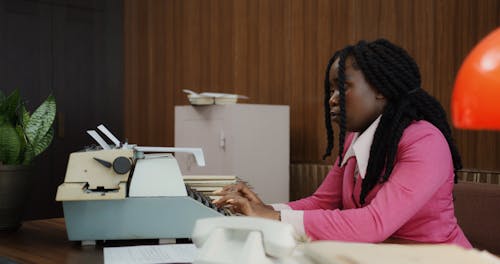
x,y
242,190
240,204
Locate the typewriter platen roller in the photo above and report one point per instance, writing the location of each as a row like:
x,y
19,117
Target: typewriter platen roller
x,y
130,192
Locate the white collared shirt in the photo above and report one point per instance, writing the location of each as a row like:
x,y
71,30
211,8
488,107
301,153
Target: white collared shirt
x,y
360,148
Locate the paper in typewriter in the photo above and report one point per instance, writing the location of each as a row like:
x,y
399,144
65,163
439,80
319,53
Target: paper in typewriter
x,y
207,184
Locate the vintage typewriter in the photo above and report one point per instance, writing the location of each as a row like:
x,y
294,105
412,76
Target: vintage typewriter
x,y
122,191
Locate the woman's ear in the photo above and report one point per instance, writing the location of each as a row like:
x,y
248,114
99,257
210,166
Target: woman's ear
x,y
380,96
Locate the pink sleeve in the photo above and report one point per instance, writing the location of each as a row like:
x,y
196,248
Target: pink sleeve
x,y
329,193
423,165
327,196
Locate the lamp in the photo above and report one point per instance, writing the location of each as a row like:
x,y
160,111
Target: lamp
x,y
475,103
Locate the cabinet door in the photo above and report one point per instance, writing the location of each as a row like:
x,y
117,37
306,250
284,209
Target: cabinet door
x,y
213,137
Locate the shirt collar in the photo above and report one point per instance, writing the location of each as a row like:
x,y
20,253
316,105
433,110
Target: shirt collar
x,y
360,147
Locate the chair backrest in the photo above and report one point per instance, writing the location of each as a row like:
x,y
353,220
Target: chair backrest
x,y
477,208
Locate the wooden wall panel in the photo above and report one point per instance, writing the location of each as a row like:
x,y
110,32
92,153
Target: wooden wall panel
x,y
276,51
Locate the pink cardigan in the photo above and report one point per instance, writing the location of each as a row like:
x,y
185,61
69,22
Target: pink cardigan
x,y
415,203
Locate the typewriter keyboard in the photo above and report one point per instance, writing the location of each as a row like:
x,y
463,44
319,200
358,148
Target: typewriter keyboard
x,y
206,201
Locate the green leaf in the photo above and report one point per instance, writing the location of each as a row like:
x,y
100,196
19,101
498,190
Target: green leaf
x,y
29,154
22,139
3,119
10,105
10,144
43,143
40,121
24,116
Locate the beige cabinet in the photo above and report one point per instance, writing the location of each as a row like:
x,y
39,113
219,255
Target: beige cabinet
x,y
249,141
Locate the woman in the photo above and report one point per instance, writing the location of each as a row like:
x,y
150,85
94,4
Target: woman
x,y
395,170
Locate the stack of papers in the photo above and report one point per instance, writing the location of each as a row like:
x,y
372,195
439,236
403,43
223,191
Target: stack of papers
x,y
208,98
206,184
176,253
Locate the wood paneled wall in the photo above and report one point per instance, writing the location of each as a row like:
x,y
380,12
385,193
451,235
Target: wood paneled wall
x,y
275,52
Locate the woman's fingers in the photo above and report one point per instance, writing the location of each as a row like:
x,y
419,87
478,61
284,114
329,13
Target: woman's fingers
x,y
226,190
234,187
237,187
241,188
224,199
235,202
250,195
239,204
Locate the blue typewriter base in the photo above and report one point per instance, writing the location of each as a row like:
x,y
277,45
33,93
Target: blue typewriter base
x,y
134,218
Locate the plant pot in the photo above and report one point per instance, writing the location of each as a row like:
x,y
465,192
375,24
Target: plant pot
x,y
15,185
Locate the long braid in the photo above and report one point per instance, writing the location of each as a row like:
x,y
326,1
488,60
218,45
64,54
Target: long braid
x,y
341,87
394,73
328,123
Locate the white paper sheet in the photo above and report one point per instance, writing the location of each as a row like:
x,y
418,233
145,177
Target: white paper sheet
x,y
174,253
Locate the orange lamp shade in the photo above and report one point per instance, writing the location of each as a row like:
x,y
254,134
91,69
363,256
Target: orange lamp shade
x,y
475,103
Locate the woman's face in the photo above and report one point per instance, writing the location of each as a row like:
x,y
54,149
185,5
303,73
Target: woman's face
x,y
363,103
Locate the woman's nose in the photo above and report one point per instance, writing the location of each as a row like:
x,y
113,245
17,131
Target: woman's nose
x,y
334,98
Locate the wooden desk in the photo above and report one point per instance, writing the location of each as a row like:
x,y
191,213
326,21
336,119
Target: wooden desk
x,y
45,241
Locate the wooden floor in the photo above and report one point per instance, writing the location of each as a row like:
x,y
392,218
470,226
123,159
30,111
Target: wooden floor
x,y
45,241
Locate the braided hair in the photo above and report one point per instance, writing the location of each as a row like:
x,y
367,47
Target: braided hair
x,y
394,73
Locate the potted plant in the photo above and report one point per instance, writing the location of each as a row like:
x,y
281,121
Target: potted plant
x,y
23,136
